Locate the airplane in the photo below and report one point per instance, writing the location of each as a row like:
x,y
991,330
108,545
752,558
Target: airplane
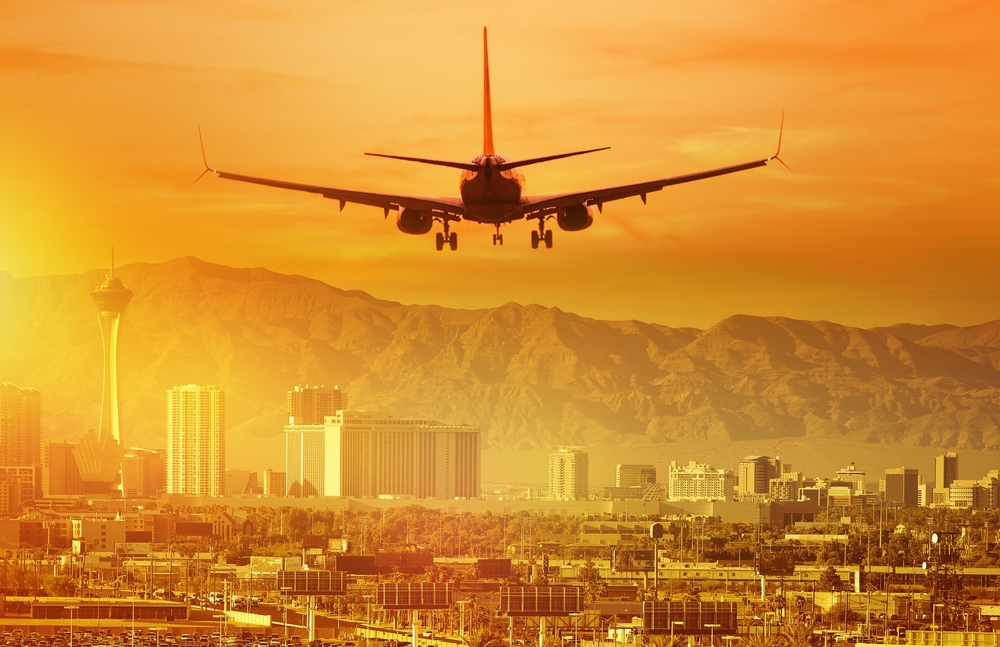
x,y
491,189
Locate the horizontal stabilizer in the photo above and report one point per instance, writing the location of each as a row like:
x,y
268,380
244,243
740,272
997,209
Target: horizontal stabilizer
x,y
538,160
462,165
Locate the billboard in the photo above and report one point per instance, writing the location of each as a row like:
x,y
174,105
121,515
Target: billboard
x,y
311,582
776,560
412,563
690,617
493,569
356,564
625,560
541,600
419,595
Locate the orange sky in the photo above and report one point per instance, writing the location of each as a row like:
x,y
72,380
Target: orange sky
x,y
892,129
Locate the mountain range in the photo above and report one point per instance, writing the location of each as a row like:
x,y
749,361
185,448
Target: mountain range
x,y
531,376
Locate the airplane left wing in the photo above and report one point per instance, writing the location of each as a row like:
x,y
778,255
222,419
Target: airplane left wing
x,y
449,208
537,206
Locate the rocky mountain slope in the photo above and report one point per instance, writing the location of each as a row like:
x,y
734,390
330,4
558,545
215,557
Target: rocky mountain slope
x,y
530,376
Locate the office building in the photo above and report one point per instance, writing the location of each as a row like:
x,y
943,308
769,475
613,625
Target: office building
x,y
196,444
274,483
305,460
785,487
60,474
945,469
23,485
966,493
755,474
699,482
902,487
144,473
853,478
20,425
569,474
367,454
99,453
634,475
310,405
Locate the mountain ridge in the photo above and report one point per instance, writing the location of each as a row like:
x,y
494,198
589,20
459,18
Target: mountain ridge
x,y
530,375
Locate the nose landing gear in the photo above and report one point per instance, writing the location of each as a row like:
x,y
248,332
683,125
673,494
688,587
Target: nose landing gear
x,y
498,237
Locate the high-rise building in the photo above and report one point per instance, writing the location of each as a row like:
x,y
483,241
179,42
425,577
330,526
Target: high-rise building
x,y
902,487
857,479
144,473
60,474
20,425
699,482
196,443
305,460
366,454
99,454
568,474
274,483
310,405
755,474
945,469
634,475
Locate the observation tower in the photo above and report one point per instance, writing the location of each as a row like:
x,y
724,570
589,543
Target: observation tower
x,y
99,454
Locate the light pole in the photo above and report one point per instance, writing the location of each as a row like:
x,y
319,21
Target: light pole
x,y
71,609
672,624
284,607
713,627
576,629
368,627
219,617
942,621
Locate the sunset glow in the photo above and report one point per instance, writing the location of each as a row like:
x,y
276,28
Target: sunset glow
x,y
892,128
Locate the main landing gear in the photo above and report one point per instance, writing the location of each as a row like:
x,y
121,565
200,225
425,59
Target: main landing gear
x,y
447,237
541,235
498,237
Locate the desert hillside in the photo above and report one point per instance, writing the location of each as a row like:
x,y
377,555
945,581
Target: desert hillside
x,y
530,376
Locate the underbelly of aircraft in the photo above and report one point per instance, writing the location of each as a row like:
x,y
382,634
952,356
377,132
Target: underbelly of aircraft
x,y
493,200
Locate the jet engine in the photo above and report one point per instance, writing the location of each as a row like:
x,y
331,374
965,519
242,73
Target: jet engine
x,y
575,218
411,221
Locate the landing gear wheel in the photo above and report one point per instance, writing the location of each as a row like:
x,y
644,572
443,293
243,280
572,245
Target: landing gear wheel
x,y
548,239
453,241
439,241
534,240
500,238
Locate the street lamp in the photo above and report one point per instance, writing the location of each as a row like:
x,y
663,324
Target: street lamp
x,y
672,624
713,627
71,609
284,607
368,627
219,617
576,628
942,617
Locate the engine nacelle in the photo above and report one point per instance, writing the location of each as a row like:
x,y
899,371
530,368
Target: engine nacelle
x,y
411,221
575,218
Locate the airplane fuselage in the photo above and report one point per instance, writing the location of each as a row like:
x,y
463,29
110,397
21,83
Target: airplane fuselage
x,y
491,195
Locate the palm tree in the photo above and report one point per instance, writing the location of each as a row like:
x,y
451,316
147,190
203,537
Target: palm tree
x,y
486,636
762,640
801,635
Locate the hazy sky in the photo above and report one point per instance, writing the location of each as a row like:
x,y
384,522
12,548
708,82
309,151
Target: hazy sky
x,y
892,131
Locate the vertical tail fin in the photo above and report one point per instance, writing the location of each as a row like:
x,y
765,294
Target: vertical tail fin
x,y
487,110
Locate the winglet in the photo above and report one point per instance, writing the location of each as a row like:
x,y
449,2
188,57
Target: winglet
x,y
781,130
488,149
204,160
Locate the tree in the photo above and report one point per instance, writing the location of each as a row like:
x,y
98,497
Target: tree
x,y
486,636
829,580
60,586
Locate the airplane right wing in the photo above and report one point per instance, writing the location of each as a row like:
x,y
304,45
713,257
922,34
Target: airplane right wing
x,y
538,206
541,206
